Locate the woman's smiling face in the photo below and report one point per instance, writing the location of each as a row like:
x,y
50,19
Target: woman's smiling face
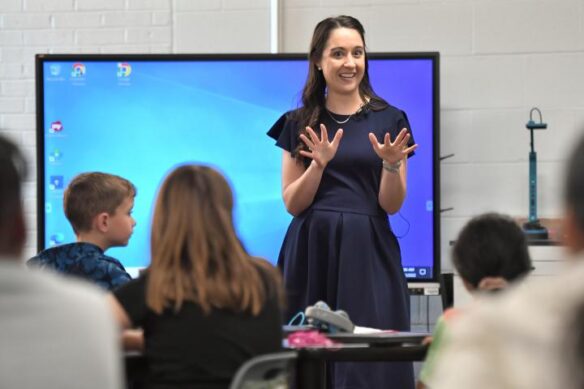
x,y
343,61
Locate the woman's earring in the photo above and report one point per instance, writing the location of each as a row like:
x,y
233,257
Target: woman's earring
x,y
319,68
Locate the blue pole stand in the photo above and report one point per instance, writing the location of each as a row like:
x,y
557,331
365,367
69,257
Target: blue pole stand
x,y
533,228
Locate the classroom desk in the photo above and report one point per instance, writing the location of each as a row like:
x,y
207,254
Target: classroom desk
x,y
311,363
394,347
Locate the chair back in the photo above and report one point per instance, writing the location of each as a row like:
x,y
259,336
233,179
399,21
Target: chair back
x,y
268,371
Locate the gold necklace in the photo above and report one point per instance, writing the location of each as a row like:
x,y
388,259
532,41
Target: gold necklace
x,y
338,121
348,117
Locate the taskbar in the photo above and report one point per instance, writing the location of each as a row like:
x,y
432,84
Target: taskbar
x,y
418,273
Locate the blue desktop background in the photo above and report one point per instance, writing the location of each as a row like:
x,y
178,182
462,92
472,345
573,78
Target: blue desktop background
x,y
139,119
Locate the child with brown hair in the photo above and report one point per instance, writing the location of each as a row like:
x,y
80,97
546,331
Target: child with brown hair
x,y
99,208
205,305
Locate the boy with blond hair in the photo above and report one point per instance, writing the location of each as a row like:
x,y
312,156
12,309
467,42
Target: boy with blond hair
x,y
99,208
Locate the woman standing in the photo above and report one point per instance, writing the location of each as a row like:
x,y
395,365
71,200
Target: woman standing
x,y
343,170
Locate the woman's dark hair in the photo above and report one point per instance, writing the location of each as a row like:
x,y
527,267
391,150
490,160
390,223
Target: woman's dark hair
x,y
491,245
314,92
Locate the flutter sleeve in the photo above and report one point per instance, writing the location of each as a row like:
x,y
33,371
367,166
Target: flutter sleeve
x,y
285,132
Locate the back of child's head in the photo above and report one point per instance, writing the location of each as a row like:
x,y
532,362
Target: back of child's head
x,y
491,245
196,254
90,194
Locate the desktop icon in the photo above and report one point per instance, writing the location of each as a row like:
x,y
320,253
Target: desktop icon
x,y
56,239
124,70
48,207
56,126
55,182
55,155
78,70
55,70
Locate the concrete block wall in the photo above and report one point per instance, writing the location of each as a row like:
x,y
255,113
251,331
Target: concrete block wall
x,y
499,58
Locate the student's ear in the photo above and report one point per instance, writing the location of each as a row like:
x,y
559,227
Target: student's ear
x,y
101,222
492,283
573,236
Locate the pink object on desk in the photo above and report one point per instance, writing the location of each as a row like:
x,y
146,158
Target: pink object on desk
x,y
300,339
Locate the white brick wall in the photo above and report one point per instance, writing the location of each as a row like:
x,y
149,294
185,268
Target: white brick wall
x,y
447,26
44,5
236,31
10,38
121,19
201,5
528,27
555,79
93,5
47,37
70,20
483,82
499,58
149,4
100,36
22,21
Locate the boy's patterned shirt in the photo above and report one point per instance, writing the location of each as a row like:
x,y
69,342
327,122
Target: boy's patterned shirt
x,y
83,260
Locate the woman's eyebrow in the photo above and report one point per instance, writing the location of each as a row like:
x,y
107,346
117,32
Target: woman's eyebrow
x,y
343,48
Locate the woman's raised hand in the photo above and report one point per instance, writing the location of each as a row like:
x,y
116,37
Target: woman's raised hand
x,y
321,151
395,151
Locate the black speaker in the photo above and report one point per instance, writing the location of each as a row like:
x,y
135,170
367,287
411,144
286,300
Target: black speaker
x,y
446,290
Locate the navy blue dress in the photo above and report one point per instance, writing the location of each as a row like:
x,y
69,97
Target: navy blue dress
x,y
342,250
